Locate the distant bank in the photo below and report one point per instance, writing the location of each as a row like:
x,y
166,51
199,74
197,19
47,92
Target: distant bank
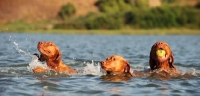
x,y
115,32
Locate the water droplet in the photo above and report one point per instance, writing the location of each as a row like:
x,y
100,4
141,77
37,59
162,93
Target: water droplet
x,y
45,87
15,43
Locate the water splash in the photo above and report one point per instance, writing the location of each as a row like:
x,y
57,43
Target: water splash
x,y
191,71
35,63
93,69
34,59
20,50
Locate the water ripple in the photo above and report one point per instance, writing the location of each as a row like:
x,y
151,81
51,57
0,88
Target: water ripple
x,y
84,53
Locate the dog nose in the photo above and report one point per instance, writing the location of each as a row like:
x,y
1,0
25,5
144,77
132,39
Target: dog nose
x,y
102,62
40,42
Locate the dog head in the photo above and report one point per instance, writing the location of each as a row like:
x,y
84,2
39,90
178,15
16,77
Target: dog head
x,y
49,51
116,64
161,54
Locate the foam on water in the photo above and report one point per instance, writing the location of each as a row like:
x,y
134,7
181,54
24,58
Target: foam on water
x,y
34,59
35,63
90,68
93,69
191,71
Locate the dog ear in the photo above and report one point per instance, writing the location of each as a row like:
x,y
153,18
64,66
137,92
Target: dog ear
x,y
171,60
58,56
151,64
151,61
127,67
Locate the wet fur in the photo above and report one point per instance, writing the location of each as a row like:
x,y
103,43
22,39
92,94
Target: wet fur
x,y
168,64
116,65
51,54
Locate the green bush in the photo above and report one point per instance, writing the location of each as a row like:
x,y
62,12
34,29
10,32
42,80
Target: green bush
x,y
104,22
159,18
116,14
168,1
112,6
142,3
163,17
67,10
69,25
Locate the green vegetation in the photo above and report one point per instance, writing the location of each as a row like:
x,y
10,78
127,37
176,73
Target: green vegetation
x,y
22,26
67,11
135,14
169,1
164,17
120,17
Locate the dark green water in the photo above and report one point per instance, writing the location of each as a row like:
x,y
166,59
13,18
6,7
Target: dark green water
x,y
84,52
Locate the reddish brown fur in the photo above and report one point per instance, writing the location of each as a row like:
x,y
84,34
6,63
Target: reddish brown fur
x,y
53,57
166,64
116,64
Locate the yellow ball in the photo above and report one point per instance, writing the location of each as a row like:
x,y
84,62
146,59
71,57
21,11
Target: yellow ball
x,y
160,53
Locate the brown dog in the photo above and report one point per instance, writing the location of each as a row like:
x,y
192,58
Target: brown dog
x,y
161,58
116,64
53,57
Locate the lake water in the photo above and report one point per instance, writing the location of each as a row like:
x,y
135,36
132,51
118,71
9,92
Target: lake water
x,y
84,52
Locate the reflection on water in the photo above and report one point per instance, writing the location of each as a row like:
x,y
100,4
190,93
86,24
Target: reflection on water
x,y
115,78
83,53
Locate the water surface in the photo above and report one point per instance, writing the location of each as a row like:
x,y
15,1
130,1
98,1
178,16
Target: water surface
x,y
84,52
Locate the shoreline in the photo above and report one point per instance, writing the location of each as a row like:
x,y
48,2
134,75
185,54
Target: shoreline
x,y
114,32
